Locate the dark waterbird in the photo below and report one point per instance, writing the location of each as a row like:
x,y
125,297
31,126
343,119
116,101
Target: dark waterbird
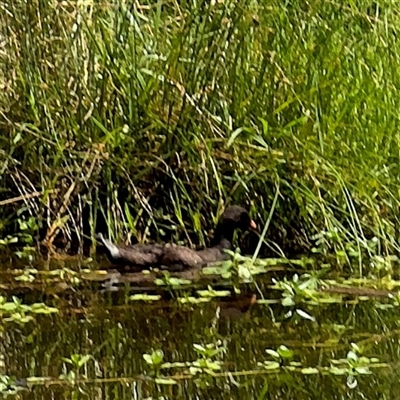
x,y
174,257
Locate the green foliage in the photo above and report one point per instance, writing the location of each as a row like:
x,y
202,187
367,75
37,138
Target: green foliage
x,y
155,358
155,361
28,275
210,292
207,363
353,365
145,297
281,357
8,386
77,361
171,281
150,117
16,311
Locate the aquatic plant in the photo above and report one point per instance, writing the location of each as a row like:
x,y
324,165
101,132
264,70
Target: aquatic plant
x,y
16,311
355,364
77,362
281,357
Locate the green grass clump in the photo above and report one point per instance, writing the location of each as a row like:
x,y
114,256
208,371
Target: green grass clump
x,y
151,115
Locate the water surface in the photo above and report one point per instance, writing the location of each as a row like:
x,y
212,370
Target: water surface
x,y
100,319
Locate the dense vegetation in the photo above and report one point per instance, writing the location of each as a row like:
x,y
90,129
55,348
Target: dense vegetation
x,y
149,117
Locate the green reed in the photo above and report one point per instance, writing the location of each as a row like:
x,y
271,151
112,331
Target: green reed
x,y
152,115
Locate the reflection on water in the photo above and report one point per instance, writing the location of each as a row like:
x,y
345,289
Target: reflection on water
x,y
96,320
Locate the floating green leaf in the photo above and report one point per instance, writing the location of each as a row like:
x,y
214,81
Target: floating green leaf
x,y
145,297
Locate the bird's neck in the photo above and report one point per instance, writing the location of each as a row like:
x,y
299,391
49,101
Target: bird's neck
x,y
223,233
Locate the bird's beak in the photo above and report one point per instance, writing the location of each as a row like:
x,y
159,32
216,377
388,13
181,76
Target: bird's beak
x,y
253,225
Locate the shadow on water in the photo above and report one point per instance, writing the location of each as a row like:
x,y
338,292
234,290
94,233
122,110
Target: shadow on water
x,y
252,338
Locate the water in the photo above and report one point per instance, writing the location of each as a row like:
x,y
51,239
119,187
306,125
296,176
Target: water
x,y
101,321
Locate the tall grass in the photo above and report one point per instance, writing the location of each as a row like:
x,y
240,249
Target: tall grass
x,y
150,116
